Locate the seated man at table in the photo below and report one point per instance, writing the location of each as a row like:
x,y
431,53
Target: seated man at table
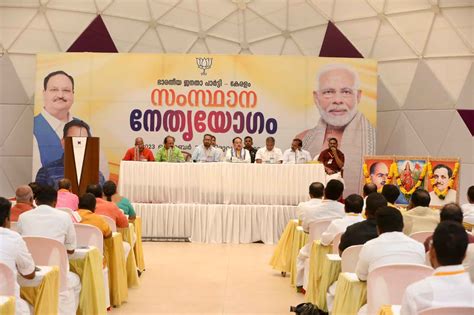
x,y
449,212
215,146
450,285
169,152
329,208
316,193
361,232
353,207
295,154
419,216
46,221
139,152
390,247
237,154
86,210
65,196
14,254
269,153
206,152
24,202
110,209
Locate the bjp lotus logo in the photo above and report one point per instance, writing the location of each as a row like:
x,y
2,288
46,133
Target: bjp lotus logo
x,y
204,64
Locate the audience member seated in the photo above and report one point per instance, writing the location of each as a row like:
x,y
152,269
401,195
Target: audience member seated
x,y
419,216
205,152
24,202
46,221
169,152
329,208
269,153
353,207
449,212
295,154
316,192
14,254
86,210
391,193
367,190
237,154
108,208
139,152
35,188
361,232
450,284
468,208
110,194
66,198
391,246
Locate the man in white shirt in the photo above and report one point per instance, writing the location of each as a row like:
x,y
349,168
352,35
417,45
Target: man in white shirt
x,y
316,193
237,154
206,152
329,208
420,217
46,221
391,246
468,208
353,206
450,284
295,154
269,153
14,254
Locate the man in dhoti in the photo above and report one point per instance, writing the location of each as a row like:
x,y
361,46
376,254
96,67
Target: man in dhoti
x,y
336,95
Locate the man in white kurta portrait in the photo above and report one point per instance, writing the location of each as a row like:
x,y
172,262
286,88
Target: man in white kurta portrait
x,y
337,94
441,175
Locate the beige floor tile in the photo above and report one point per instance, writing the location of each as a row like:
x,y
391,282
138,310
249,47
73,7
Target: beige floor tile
x,y
190,278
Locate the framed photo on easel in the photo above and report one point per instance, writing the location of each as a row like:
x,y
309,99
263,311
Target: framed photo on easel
x,y
378,170
409,175
443,180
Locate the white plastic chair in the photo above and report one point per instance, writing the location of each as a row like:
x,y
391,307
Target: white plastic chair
x,y
48,252
7,277
14,226
458,310
335,243
89,235
387,284
421,236
317,228
349,258
110,222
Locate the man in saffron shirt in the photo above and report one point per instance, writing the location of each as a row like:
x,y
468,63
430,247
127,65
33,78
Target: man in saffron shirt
x,y
24,202
66,198
87,205
108,208
139,152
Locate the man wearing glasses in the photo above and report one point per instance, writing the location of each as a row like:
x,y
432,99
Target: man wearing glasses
x,y
337,94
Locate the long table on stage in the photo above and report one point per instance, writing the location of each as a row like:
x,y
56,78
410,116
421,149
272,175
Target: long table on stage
x,y
217,202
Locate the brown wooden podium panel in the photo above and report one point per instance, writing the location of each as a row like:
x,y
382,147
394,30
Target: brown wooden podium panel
x,y
90,168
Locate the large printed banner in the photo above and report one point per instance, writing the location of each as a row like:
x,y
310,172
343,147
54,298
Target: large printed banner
x,y
124,96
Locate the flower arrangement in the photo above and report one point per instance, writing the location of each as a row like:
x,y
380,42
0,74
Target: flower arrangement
x,y
442,194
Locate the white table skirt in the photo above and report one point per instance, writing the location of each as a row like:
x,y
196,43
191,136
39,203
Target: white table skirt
x,y
215,223
218,183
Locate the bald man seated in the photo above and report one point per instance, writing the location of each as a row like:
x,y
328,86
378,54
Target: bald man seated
x,y
24,202
66,199
139,152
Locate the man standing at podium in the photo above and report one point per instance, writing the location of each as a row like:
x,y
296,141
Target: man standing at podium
x,y
139,152
332,158
53,172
